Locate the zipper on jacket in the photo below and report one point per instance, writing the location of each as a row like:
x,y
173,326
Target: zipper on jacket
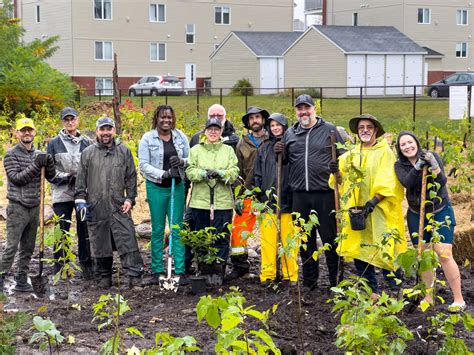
x,y
306,170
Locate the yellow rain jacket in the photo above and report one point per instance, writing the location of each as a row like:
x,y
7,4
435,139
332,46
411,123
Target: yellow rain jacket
x,y
377,165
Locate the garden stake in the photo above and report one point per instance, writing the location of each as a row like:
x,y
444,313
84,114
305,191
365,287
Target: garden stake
x,y
336,200
278,238
168,282
40,282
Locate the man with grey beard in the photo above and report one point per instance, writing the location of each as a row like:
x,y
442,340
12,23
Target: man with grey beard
x,y
307,149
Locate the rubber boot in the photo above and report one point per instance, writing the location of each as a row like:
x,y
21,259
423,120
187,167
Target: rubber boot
x,y
22,284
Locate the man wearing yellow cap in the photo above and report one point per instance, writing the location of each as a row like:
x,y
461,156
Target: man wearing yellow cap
x,y
23,168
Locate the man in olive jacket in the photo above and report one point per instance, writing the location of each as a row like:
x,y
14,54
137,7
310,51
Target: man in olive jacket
x,y
247,148
106,188
23,166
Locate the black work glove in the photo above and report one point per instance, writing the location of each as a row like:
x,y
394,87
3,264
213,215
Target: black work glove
x,y
370,205
333,166
213,174
176,162
279,147
83,211
42,159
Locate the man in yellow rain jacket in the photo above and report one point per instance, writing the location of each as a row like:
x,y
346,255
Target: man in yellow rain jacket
x,y
380,195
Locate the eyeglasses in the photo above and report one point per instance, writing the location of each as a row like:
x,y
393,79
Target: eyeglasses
x,y
213,129
216,116
69,119
363,128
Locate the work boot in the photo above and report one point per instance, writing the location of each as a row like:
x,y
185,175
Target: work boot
x,y
236,273
105,282
133,281
22,284
87,272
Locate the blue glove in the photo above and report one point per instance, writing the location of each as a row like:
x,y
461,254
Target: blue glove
x,y
83,211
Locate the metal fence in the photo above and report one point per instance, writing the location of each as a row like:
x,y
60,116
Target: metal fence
x,y
413,99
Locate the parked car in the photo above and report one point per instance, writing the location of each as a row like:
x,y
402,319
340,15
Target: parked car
x,y
155,85
441,88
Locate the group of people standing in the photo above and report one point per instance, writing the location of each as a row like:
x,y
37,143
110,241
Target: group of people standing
x,y
99,181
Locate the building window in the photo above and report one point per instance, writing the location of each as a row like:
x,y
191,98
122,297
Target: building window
x,y
157,52
222,15
424,15
461,50
190,33
103,9
157,13
461,17
38,14
104,86
103,50
355,18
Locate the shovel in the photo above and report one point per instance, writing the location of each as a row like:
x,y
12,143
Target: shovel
x,y
170,283
337,205
40,282
278,277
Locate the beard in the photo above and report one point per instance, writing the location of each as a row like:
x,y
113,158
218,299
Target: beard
x,y
27,140
105,139
305,120
256,127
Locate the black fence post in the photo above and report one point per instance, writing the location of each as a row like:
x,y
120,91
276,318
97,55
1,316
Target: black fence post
x,y
469,103
166,96
360,101
292,97
246,100
220,96
141,99
414,108
100,94
197,102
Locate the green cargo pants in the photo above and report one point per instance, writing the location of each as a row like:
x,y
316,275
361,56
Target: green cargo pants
x,y
159,199
22,225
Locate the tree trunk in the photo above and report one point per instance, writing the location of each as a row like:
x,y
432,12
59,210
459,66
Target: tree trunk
x,y
116,99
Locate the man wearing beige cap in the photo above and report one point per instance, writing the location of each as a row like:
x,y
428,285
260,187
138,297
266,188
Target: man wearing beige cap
x,y
23,168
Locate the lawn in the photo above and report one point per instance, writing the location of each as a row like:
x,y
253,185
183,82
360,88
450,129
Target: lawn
x,y
394,113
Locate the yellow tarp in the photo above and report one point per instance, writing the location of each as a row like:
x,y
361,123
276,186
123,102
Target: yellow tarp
x,y
377,165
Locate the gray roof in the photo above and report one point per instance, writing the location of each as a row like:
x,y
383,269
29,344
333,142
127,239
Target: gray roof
x,y
432,52
370,39
268,44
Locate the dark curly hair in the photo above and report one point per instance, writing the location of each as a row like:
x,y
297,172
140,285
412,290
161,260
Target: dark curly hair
x,y
158,112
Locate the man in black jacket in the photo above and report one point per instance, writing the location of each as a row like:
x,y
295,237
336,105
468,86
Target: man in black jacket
x,y
23,168
307,150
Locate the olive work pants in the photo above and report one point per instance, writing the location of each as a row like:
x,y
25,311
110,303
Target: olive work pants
x,y
22,225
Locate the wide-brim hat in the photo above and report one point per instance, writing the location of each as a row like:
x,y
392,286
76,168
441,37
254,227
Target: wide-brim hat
x,y
252,110
354,122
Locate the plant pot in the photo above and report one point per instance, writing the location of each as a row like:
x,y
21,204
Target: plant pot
x,y
198,285
357,218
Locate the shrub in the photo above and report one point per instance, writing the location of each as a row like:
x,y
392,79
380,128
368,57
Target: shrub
x,y
242,87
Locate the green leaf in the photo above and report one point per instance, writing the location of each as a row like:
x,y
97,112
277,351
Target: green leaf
x,y
135,331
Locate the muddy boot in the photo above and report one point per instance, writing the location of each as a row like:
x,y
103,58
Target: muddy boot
x,y
105,282
133,281
22,284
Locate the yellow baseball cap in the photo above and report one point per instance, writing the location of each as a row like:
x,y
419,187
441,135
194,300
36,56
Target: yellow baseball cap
x,y
23,123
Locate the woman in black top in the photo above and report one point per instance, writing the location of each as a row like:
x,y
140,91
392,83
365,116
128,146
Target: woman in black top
x,y
411,160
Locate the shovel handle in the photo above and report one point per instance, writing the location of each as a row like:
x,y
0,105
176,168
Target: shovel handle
x,y
421,226
336,187
42,178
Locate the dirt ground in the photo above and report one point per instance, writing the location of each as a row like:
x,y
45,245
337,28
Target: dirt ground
x,y
154,310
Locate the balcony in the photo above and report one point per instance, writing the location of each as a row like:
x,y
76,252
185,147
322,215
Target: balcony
x,y
312,7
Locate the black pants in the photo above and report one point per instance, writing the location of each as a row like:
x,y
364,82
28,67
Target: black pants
x,y
323,203
221,219
64,210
